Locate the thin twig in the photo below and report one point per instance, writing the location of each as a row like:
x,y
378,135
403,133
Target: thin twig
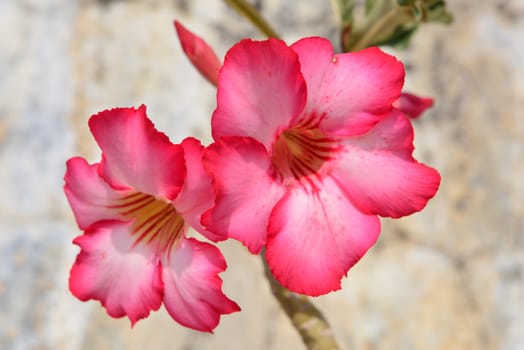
x,y
252,14
305,317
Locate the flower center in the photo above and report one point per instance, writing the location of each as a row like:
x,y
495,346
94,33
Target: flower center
x,y
299,154
154,220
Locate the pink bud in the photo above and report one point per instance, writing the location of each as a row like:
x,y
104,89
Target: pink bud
x,y
412,105
199,53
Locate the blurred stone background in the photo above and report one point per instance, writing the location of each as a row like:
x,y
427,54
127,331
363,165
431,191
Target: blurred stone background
x,y
451,277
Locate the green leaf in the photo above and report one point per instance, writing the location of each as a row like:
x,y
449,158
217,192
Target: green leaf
x,y
400,38
387,22
345,11
437,12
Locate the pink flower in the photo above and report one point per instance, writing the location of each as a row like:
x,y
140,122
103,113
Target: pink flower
x,y
308,151
199,53
412,105
135,207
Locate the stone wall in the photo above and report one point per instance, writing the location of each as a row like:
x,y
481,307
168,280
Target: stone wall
x,y
451,277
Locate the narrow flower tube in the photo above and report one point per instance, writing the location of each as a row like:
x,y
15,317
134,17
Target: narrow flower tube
x,y
135,207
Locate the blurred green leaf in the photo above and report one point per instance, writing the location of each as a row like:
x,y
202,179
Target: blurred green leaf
x,y
400,38
437,12
392,22
345,11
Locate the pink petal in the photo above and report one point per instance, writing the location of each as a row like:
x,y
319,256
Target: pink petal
x,y
193,289
124,277
199,53
379,172
259,92
88,194
314,238
412,105
352,91
198,194
245,191
136,155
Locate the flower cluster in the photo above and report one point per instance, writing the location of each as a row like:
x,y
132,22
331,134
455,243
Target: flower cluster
x,y
310,147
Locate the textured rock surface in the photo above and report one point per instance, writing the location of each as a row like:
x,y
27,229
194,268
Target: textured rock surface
x,y
451,277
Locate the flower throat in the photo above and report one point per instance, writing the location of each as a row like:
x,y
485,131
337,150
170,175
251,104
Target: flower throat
x,y
300,152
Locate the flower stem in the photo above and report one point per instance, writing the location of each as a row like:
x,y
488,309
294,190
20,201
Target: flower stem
x,y
383,25
305,317
252,14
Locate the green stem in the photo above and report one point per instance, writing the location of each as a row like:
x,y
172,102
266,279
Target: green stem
x,y
305,317
388,22
252,14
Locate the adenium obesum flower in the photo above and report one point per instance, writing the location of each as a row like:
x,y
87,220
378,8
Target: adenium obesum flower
x,y
135,207
412,105
308,151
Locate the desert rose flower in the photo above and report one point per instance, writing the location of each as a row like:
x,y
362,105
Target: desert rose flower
x,y
308,151
135,207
